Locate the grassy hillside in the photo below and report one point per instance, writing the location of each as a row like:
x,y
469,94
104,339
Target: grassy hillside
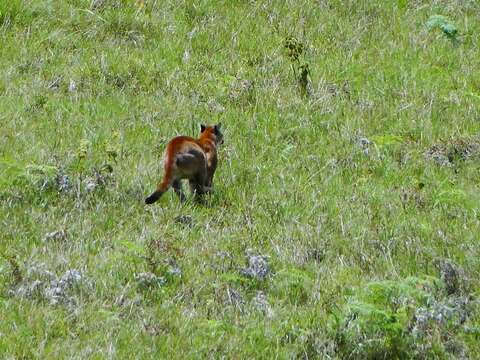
x,y
345,217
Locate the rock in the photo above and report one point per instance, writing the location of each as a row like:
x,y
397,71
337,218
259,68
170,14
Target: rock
x,y
148,280
97,4
54,83
257,266
223,261
449,274
234,297
215,106
449,152
39,272
438,156
59,235
184,220
90,185
438,314
261,303
41,284
241,89
63,182
72,86
174,271
59,290
186,56
364,144
29,290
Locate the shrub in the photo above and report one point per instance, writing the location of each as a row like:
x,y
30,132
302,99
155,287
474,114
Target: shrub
x,y
409,318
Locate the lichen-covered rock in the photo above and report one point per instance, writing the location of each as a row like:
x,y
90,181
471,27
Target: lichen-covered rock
x,y
257,268
63,182
41,284
148,280
59,290
261,303
450,275
234,298
364,144
184,220
58,235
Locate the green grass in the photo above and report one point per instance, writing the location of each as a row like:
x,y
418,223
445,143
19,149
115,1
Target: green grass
x,y
293,182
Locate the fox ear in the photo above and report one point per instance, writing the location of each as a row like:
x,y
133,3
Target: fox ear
x,y
202,128
217,128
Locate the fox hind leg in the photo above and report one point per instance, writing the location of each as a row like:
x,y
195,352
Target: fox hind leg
x,y
177,187
197,184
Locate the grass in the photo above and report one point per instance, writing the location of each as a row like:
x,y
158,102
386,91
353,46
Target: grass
x,y
90,83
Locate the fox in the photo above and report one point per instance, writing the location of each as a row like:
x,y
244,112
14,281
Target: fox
x,y
189,158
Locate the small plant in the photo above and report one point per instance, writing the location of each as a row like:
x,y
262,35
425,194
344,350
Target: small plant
x,y
395,319
113,147
16,272
304,80
83,148
445,25
375,320
295,49
15,174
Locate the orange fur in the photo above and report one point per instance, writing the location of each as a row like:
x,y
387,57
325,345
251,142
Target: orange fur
x,y
192,159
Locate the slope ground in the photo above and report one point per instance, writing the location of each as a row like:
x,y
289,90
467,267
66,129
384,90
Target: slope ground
x,y
365,170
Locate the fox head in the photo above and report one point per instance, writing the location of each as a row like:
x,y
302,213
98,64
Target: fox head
x,y
213,131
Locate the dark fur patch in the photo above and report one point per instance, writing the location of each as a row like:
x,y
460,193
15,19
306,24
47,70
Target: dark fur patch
x,y
189,158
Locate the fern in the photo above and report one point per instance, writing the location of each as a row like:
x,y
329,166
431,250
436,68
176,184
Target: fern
x,y
13,173
375,320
